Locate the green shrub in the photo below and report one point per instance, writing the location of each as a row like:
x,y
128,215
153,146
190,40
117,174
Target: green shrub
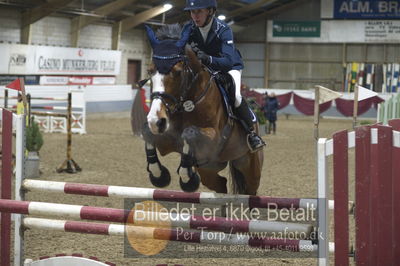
x,y
366,122
260,117
34,138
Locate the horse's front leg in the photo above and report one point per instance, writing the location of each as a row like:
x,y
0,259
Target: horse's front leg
x,y
158,174
189,179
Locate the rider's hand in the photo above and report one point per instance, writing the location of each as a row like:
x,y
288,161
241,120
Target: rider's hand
x,y
204,58
195,47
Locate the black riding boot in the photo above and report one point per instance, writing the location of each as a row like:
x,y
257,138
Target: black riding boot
x,y
244,114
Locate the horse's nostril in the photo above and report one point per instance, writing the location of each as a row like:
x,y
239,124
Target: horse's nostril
x,y
161,124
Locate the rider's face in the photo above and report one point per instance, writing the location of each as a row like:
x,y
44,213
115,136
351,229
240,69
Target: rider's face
x,y
199,16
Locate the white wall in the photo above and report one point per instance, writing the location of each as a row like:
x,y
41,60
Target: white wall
x,y
55,30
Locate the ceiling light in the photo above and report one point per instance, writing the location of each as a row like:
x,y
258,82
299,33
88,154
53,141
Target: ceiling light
x,y
221,17
167,7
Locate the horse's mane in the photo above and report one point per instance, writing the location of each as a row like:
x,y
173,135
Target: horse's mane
x,y
169,31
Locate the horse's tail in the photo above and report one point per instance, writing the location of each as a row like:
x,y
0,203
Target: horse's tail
x,y
238,180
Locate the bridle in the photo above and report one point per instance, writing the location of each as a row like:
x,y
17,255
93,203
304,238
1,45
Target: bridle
x,y
188,78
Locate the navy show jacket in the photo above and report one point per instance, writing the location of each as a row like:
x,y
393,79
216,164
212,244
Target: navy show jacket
x,y
219,45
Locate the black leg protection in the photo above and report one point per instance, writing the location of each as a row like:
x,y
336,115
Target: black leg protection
x,y
254,141
165,178
244,114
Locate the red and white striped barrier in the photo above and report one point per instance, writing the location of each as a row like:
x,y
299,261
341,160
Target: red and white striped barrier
x,y
61,108
179,235
140,216
54,122
37,98
377,194
170,195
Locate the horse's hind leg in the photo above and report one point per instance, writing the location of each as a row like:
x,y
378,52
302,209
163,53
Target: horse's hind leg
x,y
212,180
158,174
246,173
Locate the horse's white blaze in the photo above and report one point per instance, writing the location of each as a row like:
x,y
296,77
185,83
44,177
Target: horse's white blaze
x,y
152,116
155,109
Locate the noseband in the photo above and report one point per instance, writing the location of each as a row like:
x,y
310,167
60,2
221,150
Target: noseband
x,y
181,103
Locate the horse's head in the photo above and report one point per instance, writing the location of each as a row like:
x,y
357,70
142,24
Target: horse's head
x,y
175,71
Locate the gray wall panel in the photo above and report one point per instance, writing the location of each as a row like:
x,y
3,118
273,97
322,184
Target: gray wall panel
x,y
252,50
254,82
356,53
296,51
375,53
251,33
253,68
393,53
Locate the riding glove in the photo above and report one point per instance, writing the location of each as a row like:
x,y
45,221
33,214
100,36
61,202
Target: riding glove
x,y
204,58
195,47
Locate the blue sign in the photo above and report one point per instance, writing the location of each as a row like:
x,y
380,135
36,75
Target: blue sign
x,y
367,9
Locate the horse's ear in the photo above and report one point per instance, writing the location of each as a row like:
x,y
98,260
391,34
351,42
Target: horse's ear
x,y
193,60
152,37
184,35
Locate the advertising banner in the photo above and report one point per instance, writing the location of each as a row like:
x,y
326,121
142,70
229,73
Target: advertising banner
x,y
345,31
48,60
296,28
59,60
366,9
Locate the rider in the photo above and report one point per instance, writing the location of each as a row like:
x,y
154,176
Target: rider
x,y
212,40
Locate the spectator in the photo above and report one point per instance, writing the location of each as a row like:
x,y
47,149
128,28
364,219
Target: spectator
x,y
270,109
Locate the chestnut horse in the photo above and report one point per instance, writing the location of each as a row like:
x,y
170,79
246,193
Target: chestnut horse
x,y
188,116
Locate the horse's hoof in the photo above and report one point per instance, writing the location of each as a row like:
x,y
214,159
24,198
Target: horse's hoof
x,y
162,181
192,185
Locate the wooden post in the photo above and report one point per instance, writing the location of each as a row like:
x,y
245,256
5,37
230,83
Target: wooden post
x,y
6,172
69,165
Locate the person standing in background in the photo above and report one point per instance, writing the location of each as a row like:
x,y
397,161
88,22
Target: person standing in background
x,y
270,110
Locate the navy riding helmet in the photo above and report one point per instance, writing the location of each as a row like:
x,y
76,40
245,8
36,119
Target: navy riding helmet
x,y
200,4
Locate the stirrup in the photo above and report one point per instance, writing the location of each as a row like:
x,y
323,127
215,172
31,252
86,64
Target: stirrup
x,y
258,146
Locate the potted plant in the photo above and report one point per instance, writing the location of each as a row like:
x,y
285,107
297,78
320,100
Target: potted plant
x,y
261,121
260,116
34,141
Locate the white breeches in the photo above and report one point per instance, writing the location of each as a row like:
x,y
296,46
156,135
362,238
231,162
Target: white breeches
x,y
237,77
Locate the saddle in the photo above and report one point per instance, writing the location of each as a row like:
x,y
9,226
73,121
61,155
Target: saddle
x,y
227,87
226,84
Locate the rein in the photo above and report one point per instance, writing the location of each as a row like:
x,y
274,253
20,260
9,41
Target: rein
x,y
183,104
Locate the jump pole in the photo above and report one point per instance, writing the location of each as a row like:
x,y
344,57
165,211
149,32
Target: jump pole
x,y
172,195
145,217
173,234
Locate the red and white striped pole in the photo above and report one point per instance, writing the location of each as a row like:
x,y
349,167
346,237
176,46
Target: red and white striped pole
x,y
169,195
179,235
142,216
